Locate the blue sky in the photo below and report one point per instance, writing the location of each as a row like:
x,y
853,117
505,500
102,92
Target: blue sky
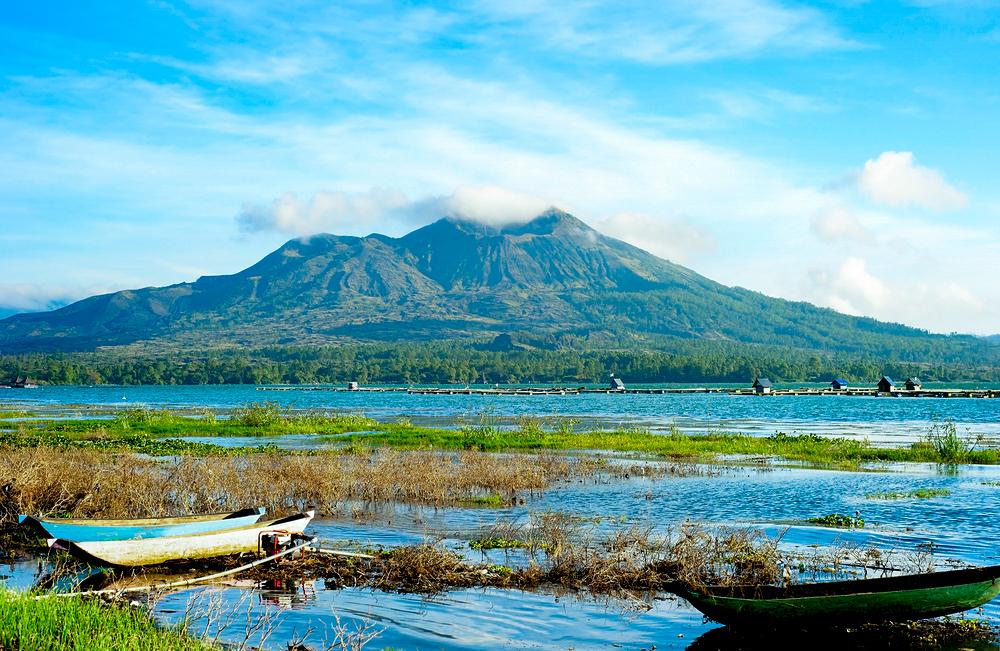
x,y
844,153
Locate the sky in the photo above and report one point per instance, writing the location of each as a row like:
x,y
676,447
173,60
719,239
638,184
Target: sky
x,y
842,153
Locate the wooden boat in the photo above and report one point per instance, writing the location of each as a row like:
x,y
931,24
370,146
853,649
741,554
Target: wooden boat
x,y
153,551
898,598
81,529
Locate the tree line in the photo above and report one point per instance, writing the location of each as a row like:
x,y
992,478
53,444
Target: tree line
x,y
471,363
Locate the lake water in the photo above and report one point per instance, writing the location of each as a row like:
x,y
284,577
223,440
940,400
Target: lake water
x,y
963,527
885,420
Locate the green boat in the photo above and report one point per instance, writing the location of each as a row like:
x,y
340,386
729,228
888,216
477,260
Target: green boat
x,y
861,601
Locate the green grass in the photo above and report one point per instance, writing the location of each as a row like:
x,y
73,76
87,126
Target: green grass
x,y
495,542
919,494
491,500
805,447
139,429
7,414
839,521
263,419
75,623
122,441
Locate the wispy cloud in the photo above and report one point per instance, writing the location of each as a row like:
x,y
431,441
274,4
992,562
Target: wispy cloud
x,y
387,209
840,223
33,297
673,239
673,32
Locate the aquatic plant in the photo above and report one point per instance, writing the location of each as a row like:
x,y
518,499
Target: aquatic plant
x,y
491,500
483,544
564,426
128,418
950,447
919,493
530,427
257,414
838,520
674,444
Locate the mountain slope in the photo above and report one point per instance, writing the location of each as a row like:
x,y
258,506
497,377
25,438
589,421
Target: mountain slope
x,y
457,279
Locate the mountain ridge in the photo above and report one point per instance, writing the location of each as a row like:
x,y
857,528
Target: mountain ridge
x,y
455,279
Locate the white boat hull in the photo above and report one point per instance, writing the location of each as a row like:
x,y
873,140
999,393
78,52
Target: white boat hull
x,y
153,551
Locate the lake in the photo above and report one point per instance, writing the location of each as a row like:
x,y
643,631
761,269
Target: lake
x,y
962,526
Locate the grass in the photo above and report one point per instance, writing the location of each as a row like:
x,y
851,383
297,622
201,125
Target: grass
x,y
255,419
75,623
496,542
804,447
918,494
492,500
139,429
129,441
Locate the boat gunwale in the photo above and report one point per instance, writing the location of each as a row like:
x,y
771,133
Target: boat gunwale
x,y
247,527
150,522
849,587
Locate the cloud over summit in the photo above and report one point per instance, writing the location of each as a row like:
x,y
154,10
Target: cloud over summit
x,y
362,212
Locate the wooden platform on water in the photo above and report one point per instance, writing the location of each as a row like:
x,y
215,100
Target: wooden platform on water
x,y
575,391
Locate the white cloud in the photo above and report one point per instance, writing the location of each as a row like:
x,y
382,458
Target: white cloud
x,y
851,288
894,179
672,239
896,295
325,211
487,204
31,297
839,223
379,208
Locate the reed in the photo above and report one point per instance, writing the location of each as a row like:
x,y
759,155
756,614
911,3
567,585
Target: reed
x,y
92,483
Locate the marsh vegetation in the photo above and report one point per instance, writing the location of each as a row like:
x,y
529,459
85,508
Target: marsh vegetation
x,y
161,432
